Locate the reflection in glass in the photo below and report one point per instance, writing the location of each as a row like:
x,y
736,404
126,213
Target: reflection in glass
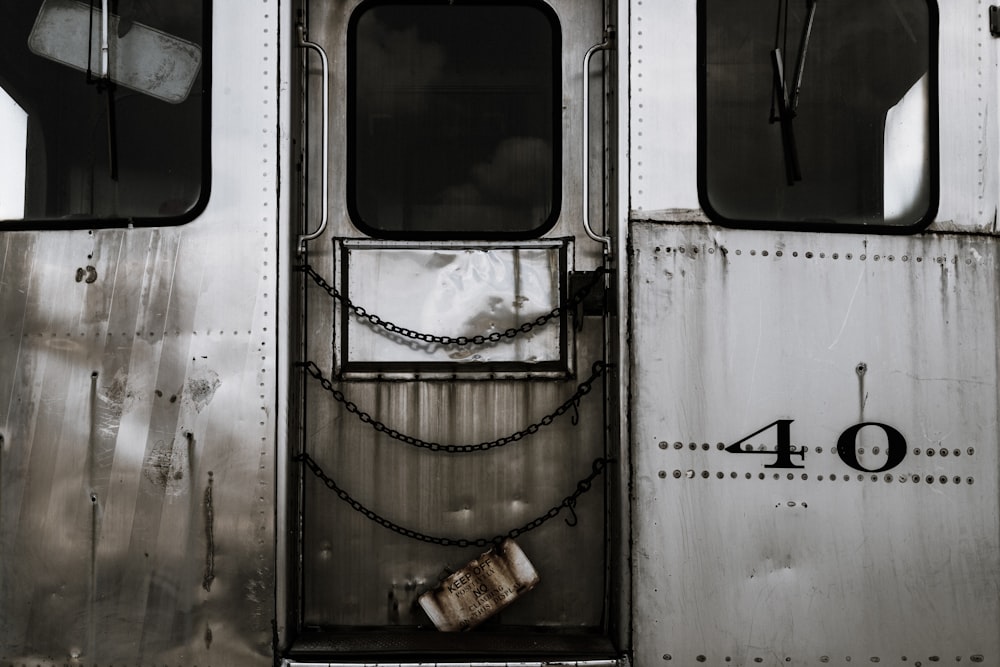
x,y
857,81
94,149
452,119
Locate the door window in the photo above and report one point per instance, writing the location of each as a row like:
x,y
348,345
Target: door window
x,y
452,119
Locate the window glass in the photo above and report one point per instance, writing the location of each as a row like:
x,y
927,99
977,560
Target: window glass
x,y
818,112
452,121
115,138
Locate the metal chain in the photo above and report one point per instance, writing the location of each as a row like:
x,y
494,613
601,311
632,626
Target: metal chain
x,y
569,502
575,300
572,402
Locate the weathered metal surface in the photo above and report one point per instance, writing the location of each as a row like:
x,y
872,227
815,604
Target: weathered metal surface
x,y
143,58
138,379
862,371
481,589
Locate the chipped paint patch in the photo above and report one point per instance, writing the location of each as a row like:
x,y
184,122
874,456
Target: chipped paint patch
x,y
167,466
199,391
117,399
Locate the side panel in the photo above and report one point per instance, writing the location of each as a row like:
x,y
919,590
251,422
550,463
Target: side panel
x,y
137,410
830,541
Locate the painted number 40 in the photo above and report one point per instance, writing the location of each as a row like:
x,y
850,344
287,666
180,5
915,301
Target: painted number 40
x,y
846,446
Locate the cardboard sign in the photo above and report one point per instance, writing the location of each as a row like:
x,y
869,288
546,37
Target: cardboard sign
x,y
480,589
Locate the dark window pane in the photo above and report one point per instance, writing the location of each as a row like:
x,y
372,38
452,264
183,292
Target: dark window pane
x,y
452,119
852,145
127,146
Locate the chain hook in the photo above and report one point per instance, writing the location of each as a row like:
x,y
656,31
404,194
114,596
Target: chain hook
x,y
570,504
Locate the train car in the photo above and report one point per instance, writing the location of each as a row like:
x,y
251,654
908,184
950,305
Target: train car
x,y
496,332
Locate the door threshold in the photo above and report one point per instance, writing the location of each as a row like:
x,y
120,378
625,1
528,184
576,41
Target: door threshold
x,y
494,647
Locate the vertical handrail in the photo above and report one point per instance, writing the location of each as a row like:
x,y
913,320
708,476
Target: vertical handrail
x,y
105,47
603,46
303,43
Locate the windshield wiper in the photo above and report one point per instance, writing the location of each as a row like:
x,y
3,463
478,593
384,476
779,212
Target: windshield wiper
x,y
787,102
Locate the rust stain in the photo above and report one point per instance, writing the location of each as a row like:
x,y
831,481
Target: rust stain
x,y
209,577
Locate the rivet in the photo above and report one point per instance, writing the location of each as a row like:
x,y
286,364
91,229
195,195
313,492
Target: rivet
x,y
663,445
677,474
663,474
970,451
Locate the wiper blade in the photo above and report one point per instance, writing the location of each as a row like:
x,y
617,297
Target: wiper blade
x,y
793,172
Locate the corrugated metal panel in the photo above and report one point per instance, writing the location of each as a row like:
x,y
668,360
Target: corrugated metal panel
x,y
138,385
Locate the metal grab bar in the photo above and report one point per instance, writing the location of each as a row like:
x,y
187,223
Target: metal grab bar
x,y
303,43
603,46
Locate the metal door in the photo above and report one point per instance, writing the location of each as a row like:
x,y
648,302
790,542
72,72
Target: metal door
x,y
452,384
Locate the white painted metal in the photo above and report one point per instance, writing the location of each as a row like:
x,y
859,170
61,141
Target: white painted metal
x,y
819,562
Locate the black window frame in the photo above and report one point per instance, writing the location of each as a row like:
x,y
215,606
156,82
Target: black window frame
x,y
351,176
79,222
820,225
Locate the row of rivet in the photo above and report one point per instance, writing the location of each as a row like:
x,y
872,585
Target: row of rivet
x,y
929,451
833,477
825,659
694,250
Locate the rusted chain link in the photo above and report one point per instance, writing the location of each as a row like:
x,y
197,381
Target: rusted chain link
x,y
569,502
572,402
575,300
